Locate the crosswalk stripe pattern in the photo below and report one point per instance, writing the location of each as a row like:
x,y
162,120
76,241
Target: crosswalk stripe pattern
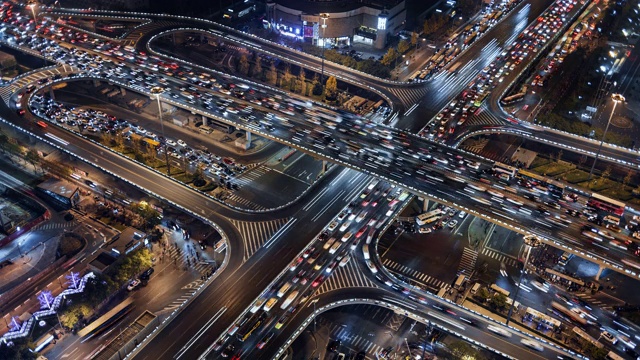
x,y
500,257
254,234
468,262
354,342
7,91
57,225
178,301
475,145
409,96
592,300
347,276
415,275
238,201
484,117
252,175
202,267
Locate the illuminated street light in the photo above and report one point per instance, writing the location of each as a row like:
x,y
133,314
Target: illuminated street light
x,y
617,98
530,242
156,91
32,6
324,17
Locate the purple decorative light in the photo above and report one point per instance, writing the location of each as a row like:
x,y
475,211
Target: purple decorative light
x,y
15,325
46,300
73,279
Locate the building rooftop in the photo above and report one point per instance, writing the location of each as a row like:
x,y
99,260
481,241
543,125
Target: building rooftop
x,y
335,6
128,240
59,187
102,261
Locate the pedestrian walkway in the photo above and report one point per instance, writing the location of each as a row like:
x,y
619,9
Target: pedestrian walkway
x,y
508,260
57,225
187,260
598,301
148,28
255,234
468,262
234,199
349,276
475,146
416,276
484,117
8,91
354,342
251,175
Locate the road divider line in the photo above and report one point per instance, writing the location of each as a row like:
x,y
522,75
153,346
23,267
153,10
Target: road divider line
x,y
278,233
201,332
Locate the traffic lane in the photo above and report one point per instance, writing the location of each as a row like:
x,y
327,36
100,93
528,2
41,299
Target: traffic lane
x,y
510,346
236,290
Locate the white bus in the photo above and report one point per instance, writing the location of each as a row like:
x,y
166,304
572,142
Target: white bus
x,y
477,187
289,299
459,281
613,356
429,217
502,291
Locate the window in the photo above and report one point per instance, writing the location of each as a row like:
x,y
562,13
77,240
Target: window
x,y
382,23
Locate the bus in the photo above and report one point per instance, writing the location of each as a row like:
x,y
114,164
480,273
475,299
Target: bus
x,y
249,328
470,38
604,203
502,291
582,334
105,321
564,258
609,219
429,217
592,236
292,296
575,317
454,69
500,168
613,356
508,100
459,281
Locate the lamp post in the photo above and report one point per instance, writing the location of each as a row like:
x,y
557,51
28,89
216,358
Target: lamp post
x,y
616,99
530,242
314,315
156,91
32,6
324,17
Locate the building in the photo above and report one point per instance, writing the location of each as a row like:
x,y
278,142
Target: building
x,y
239,10
61,194
127,241
356,21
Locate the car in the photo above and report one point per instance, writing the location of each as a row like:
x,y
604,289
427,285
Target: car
x,y
609,337
452,224
228,350
313,257
345,225
532,344
333,225
347,236
171,142
342,216
361,216
334,345
331,266
219,344
308,252
181,143
361,232
317,281
133,284
295,263
300,275
265,340
90,183
345,260
499,330
147,274
371,267
283,320
424,230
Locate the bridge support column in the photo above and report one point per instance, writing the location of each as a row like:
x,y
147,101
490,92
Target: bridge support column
x,y
204,120
325,166
96,83
600,269
51,94
425,204
248,137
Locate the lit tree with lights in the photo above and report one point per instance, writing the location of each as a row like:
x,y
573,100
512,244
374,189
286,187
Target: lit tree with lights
x,y
46,299
73,279
15,325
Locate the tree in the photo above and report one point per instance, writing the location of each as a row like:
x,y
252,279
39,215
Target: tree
x,y
286,77
331,87
498,301
302,79
414,39
627,179
71,316
483,294
389,57
463,350
272,74
317,86
605,174
256,72
33,157
559,156
243,65
403,46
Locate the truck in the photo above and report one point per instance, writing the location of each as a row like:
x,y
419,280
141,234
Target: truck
x,y
454,69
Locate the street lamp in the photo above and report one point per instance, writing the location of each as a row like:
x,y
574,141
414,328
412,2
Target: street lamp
x,y
530,242
156,91
324,17
314,315
616,99
33,10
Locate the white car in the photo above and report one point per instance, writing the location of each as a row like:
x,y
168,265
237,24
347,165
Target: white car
x,y
452,224
498,330
351,216
371,267
345,260
424,230
361,216
133,284
609,337
182,143
462,214
347,236
532,344
345,226
171,142
333,226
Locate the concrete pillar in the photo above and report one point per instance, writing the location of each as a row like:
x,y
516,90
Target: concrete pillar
x,y
96,83
425,205
600,269
51,94
248,137
204,120
324,166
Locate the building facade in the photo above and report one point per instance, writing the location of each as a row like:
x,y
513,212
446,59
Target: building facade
x,y
347,22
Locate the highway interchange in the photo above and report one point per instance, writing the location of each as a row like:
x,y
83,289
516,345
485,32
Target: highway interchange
x,y
199,325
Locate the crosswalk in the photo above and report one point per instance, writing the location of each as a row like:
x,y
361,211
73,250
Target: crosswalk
x,y
349,276
252,175
597,301
236,200
57,225
421,278
354,342
7,91
468,262
190,288
254,234
180,259
474,145
409,96
508,260
484,117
